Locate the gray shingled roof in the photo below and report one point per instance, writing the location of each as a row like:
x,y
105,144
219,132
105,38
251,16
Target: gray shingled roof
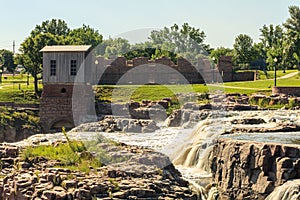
x,y
66,48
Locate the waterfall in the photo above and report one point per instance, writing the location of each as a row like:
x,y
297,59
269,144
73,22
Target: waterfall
x,y
210,192
288,191
196,152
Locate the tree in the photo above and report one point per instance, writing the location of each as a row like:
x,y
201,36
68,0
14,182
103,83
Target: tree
x,y
292,26
54,26
83,36
243,49
259,57
273,41
221,51
144,49
186,41
113,47
48,33
271,36
53,32
7,60
31,57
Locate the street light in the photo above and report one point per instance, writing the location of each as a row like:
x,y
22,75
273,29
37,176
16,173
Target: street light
x,y
275,61
1,75
213,68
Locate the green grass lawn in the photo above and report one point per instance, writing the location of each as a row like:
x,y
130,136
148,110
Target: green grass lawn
x,y
267,84
15,89
270,74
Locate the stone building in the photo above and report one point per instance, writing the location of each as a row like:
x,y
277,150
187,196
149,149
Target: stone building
x,y
65,69
70,71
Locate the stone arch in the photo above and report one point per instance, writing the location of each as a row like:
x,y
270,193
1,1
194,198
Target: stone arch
x,y
58,124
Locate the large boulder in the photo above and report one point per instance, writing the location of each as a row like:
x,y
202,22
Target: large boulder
x,y
252,170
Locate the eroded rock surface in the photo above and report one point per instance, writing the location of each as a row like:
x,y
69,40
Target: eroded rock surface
x,y
114,124
144,174
251,170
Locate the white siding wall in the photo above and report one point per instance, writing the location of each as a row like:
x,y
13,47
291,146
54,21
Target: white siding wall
x,y
63,62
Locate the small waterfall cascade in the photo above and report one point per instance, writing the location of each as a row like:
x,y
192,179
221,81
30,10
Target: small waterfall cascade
x,y
193,158
287,191
196,152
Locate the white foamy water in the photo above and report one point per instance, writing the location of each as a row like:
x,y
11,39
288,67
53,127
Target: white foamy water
x,y
190,148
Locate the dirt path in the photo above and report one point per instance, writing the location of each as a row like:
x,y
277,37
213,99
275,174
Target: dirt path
x,y
235,87
288,75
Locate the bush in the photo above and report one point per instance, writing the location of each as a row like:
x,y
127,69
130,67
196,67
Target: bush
x,y
293,103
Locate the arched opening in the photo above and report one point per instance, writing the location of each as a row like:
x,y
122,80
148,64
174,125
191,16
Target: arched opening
x,y
62,123
63,90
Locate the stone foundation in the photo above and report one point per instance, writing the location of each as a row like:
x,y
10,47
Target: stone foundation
x,y
251,170
59,108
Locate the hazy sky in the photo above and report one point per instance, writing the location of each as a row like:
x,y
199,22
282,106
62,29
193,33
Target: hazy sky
x,y
221,20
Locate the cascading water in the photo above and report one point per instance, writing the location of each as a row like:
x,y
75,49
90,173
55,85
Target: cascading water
x,y
190,148
196,152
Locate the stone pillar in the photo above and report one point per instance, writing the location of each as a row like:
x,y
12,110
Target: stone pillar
x,y
225,68
60,107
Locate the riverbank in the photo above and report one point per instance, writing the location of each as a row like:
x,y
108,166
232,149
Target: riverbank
x,y
133,173
149,151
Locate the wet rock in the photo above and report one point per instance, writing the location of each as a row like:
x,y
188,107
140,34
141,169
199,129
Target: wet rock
x,y
67,184
283,127
121,194
248,121
288,191
174,120
114,124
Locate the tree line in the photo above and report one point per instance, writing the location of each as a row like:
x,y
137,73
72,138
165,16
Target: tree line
x,y
276,41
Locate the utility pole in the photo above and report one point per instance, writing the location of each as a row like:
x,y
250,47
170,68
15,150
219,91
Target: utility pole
x,y
14,47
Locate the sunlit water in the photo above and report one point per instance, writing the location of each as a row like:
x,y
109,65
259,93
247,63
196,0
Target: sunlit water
x,y
189,148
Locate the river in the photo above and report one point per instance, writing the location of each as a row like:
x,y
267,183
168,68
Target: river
x,y
189,148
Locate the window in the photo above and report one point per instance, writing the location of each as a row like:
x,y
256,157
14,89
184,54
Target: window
x,y
53,68
73,69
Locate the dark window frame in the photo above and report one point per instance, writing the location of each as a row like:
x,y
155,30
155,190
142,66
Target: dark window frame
x,y
52,67
73,67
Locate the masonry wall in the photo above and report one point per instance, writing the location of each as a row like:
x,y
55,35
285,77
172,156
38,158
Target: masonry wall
x,y
243,76
225,68
141,71
162,71
293,91
60,108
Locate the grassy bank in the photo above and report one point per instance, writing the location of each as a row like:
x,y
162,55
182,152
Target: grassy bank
x,y
15,89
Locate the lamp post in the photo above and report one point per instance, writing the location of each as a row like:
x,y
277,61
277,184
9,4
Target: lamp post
x,y
283,59
275,61
0,76
213,68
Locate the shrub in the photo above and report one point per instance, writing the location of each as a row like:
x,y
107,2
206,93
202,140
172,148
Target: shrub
x,y
293,103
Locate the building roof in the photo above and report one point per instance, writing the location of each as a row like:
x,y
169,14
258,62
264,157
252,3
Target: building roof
x,y
66,48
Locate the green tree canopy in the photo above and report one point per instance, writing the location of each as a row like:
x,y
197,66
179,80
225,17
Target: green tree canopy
x,y
113,47
83,36
54,26
52,32
221,51
292,26
186,41
243,49
7,60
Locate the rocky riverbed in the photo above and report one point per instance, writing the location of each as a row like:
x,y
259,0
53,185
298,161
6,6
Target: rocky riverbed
x,y
144,175
210,146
